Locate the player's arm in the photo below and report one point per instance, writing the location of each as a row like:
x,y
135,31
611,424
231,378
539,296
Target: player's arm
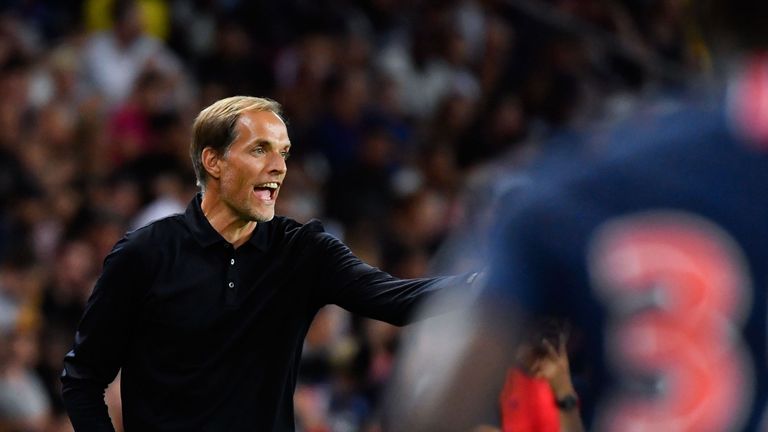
x,y
358,287
102,335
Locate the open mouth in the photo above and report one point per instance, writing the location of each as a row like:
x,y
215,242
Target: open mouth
x,y
266,191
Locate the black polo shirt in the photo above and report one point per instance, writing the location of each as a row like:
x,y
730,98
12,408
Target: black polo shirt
x,y
209,337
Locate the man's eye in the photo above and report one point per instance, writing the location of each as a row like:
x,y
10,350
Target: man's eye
x,y
285,155
259,150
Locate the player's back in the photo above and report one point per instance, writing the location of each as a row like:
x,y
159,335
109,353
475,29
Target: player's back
x,y
658,254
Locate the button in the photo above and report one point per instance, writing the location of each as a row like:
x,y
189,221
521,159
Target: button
x,y
232,261
231,284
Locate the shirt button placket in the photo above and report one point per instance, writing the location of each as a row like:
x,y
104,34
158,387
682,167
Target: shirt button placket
x,y
231,292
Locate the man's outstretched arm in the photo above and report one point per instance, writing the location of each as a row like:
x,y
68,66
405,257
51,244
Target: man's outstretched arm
x,y
358,287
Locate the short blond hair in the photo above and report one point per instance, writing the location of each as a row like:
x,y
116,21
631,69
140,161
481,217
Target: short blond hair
x,y
214,127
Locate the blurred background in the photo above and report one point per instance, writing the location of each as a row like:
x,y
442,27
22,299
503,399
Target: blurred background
x,y
407,118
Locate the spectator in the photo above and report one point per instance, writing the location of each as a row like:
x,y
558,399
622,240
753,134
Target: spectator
x,y
114,59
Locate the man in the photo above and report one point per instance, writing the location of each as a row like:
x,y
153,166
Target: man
x,y
655,252
114,59
205,313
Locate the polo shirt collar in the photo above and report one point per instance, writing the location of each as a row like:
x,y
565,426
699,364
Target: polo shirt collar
x,y
206,235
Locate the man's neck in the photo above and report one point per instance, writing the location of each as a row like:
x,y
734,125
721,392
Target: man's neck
x,y
221,217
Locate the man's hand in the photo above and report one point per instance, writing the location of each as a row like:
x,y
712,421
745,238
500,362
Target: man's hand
x,y
553,366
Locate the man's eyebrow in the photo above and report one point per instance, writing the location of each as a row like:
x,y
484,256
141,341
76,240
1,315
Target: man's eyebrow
x,y
261,142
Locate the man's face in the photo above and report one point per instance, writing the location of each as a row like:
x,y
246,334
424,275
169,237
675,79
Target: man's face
x,y
253,168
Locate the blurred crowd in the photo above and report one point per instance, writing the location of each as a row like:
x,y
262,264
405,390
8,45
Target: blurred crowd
x,y
399,113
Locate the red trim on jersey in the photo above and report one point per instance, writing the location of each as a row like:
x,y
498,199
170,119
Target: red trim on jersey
x,y
748,101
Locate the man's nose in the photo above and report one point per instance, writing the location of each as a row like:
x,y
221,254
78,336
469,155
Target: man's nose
x,y
277,163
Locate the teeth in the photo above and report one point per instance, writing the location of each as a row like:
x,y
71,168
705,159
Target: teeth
x,y
271,185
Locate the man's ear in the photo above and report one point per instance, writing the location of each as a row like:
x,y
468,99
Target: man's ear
x,y
211,159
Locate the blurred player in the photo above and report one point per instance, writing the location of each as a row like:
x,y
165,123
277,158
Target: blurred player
x,y
656,252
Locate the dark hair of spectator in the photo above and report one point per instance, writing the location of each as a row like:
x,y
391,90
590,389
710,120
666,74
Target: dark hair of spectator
x,y
121,9
739,23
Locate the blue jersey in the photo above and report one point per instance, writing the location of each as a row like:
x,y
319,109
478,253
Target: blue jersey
x,y
657,254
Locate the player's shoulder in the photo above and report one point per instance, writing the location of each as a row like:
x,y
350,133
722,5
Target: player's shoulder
x,y
661,128
668,128
626,155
